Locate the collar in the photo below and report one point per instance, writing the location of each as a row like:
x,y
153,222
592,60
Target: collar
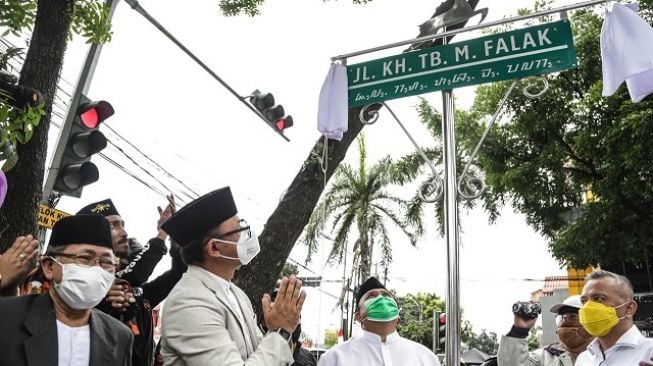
x,y
375,338
224,284
210,279
630,339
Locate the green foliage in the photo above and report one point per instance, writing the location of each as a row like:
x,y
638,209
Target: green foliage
x,y
91,21
251,7
90,18
17,124
534,336
411,307
16,15
235,7
411,327
484,342
545,154
289,269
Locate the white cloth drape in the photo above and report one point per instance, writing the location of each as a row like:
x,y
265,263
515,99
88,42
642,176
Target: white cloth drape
x,y
626,52
333,105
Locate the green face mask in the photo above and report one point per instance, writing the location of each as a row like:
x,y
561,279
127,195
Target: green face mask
x,y
381,309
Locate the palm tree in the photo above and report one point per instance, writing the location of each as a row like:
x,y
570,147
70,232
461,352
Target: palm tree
x,y
358,201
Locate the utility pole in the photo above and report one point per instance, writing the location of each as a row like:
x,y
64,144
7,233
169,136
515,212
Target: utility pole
x,y
81,88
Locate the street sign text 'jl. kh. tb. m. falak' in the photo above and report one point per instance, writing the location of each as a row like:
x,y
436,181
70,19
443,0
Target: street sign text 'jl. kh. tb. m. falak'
x,y
510,55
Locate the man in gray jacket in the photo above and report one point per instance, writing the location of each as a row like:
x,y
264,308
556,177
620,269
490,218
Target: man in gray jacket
x,y
513,349
207,319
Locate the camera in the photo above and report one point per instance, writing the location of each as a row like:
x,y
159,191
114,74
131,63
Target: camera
x,y
528,309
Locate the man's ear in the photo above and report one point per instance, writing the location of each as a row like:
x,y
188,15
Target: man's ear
x,y
46,267
212,248
631,309
357,315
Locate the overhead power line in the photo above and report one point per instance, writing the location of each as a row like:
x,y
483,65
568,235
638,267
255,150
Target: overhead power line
x,y
154,162
133,175
136,6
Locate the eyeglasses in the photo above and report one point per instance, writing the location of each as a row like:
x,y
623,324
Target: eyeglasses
x,y
87,260
564,318
243,229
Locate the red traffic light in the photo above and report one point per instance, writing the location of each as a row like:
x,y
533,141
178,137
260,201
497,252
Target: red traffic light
x,y
91,114
89,118
284,123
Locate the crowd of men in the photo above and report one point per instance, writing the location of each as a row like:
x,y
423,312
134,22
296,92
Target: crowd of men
x,y
93,305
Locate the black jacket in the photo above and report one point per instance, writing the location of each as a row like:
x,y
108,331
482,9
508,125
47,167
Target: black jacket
x,y
303,357
28,334
142,264
138,317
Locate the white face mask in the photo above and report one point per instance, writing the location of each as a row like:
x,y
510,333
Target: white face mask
x,y
247,246
83,287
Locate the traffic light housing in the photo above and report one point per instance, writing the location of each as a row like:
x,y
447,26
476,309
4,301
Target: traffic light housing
x,y
442,330
84,140
273,114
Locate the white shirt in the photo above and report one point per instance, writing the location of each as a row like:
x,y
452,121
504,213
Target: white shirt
x,y
631,348
626,52
226,286
74,345
368,350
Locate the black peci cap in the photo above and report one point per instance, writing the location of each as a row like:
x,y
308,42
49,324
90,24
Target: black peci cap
x,y
81,229
104,208
371,284
201,215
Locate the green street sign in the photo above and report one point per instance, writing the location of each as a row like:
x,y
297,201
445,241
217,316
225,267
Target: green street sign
x,y
516,54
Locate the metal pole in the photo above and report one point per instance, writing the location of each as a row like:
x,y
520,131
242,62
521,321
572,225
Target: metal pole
x,y
452,350
436,333
82,86
469,29
136,6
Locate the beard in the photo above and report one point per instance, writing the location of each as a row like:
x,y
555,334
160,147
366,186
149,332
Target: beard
x,y
574,339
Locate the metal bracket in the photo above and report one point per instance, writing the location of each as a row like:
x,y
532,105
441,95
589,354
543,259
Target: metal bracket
x,y
472,187
469,186
435,187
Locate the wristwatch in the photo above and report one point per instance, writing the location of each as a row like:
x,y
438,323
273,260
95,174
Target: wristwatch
x,y
282,332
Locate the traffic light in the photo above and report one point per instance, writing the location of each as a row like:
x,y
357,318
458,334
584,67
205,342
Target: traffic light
x,y
442,330
273,114
84,140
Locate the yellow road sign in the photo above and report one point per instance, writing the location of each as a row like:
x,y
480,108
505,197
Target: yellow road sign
x,y
48,216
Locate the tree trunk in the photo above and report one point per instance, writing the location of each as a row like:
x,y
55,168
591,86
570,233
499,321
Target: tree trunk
x,y
287,222
366,259
40,72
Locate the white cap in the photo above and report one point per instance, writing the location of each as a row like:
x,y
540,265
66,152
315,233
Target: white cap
x,y
570,302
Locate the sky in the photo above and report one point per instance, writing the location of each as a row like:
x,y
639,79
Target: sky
x,y
176,114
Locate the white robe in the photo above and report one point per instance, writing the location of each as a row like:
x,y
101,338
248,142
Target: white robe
x,y
368,350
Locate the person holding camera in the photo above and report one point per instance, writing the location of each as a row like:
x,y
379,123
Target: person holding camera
x,y
513,348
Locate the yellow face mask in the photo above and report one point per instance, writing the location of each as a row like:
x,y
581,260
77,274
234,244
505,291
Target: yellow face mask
x,y
598,319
